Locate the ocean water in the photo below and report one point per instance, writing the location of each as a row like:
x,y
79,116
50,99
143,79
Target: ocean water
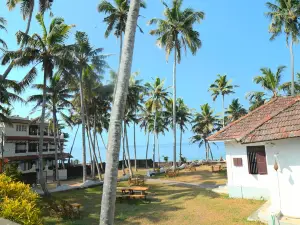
x,y
190,151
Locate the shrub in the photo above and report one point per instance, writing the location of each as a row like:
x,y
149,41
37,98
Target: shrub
x,y
11,170
18,202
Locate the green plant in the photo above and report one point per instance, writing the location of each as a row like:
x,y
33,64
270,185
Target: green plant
x,y
11,170
183,159
166,158
18,202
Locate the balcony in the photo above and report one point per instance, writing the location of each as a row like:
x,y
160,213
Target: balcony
x,y
34,130
20,148
33,147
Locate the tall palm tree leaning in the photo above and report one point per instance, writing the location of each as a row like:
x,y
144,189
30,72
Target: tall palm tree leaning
x,y
49,50
2,27
114,137
285,15
270,81
176,32
184,117
222,87
27,8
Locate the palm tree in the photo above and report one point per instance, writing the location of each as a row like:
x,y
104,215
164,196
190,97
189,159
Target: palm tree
x,y
184,117
58,96
285,15
27,8
175,32
256,99
2,27
113,150
158,99
204,124
270,81
86,59
117,18
48,50
286,87
222,87
134,99
235,110
144,119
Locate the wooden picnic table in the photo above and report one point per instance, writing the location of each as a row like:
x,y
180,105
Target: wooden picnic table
x,y
132,190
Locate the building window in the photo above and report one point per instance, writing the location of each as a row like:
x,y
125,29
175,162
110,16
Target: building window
x,y
238,162
20,148
21,128
33,130
33,147
257,163
45,147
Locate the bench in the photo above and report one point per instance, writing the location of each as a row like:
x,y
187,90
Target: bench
x,y
216,168
138,181
128,197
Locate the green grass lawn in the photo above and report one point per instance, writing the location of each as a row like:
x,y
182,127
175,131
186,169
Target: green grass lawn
x,y
170,206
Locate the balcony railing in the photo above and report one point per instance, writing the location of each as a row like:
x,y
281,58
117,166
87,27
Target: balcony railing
x,y
20,151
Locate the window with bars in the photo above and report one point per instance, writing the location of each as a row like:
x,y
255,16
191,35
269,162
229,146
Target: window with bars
x,y
257,163
21,128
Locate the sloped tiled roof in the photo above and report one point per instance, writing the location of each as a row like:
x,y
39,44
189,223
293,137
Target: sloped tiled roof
x,y
277,119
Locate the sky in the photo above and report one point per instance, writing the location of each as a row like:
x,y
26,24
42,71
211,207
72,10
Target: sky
x,y
235,41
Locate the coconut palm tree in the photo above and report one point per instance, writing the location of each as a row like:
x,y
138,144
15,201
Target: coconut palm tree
x,y
158,98
86,60
119,105
117,18
2,27
286,87
144,120
184,117
176,32
235,110
203,125
58,96
222,87
284,16
48,50
270,81
256,99
27,8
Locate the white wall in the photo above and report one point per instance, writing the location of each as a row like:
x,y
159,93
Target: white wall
x,y
284,185
12,131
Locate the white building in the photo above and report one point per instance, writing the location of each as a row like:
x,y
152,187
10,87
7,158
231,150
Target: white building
x,y
267,136
21,143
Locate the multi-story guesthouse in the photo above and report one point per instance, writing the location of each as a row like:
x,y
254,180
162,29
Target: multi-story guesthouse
x,y
21,143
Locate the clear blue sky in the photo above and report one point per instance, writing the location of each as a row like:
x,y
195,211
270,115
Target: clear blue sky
x,y
235,42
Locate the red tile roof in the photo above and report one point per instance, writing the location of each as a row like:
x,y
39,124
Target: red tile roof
x,y
277,119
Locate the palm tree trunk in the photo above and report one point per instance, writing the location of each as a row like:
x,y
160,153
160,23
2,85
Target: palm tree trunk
x,y
292,68
180,153
211,155
91,155
41,138
55,144
127,150
94,150
174,109
147,150
223,110
69,161
29,17
158,150
103,141
117,114
101,163
121,46
154,140
206,150
134,146
61,152
83,129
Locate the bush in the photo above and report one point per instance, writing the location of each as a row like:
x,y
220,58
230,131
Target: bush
x,y
18,202
11,170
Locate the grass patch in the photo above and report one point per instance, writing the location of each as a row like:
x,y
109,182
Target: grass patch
x,y
171,206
